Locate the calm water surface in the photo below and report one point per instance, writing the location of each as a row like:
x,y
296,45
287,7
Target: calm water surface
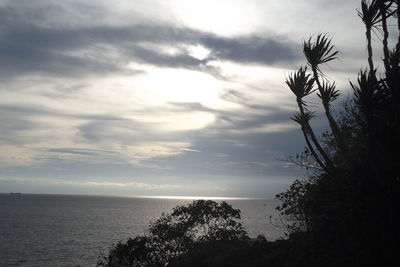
x,y
61,230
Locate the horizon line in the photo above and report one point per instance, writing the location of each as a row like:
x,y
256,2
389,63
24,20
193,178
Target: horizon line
x,y
140,196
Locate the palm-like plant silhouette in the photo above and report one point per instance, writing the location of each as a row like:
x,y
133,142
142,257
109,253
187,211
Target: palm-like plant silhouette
x,y
365,90
328,94
361,197
321,51
302,85
373,13
370,16
385,12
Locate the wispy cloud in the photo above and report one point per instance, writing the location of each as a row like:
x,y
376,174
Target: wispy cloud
x,y
32,46
84,183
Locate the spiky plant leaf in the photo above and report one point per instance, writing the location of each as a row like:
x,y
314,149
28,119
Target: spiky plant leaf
x,y
328,92
303,118
394,58
319,51
370,13
365,90
301,84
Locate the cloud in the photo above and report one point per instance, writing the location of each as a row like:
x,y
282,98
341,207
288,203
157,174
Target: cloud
x,y
30,45
85,183
11,155
35,135
253,49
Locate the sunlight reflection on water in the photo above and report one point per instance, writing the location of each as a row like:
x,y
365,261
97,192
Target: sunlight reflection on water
x,y
60,230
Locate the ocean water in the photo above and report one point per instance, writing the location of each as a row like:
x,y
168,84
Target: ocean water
x,y
65,230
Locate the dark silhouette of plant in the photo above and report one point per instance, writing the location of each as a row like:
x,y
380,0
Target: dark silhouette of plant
x,y
301,85
348,208
175,235
321,51
370,15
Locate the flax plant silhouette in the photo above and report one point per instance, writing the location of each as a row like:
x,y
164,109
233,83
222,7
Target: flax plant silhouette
x,y
348,207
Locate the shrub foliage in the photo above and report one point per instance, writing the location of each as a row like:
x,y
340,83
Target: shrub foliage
x,y
349,205
173,236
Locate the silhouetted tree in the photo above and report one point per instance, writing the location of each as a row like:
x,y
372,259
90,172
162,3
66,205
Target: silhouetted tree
x,y
175,235
348,208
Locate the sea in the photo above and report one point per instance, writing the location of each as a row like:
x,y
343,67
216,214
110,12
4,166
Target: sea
x,y
72,230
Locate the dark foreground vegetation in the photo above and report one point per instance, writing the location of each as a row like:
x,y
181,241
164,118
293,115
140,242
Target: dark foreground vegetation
x,y
346,211
203,233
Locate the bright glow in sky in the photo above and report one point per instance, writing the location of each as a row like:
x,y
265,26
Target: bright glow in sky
x,y
170,85
158,97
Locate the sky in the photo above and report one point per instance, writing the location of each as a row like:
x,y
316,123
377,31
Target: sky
x,y
160,98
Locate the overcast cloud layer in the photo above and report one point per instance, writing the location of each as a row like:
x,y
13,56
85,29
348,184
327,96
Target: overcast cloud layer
x,y
158,97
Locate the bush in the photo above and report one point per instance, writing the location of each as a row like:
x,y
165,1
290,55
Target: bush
x,y
348,207
174,236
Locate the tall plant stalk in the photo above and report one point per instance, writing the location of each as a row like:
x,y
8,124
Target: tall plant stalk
x,y
398,24
305,130
329,167
370,15
369,48
320,52
383,11
332,123
301,84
